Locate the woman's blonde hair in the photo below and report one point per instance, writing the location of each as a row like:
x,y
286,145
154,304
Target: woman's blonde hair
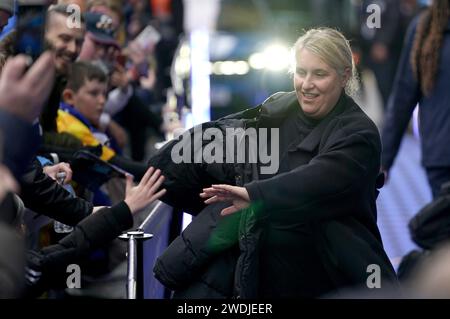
x,y
334,49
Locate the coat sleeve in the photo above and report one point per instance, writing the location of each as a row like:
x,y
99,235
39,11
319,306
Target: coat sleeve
x,y
47,268
44,196
404,98
328,186
19,142
185,175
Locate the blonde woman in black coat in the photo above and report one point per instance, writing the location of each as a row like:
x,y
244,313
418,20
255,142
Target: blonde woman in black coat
x,y
309,228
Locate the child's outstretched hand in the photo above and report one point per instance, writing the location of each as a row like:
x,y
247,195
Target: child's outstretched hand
x,y
138,197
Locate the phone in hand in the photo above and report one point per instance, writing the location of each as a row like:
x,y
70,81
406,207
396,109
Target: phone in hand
x,y
148,38
31,16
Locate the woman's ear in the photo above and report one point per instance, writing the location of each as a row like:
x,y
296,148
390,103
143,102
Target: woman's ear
x,y
68,96
346,76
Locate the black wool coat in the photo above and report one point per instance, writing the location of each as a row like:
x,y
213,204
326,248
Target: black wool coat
x,y
331,184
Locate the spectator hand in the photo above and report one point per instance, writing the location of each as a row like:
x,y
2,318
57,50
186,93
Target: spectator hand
x,y
224,193
136,53
138,197
148,82
51,171
23,92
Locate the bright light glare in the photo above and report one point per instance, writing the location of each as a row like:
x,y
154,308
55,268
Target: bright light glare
x,y
227,67
183,66
185,51
275,58
241,67
257,61
200,86
217,68
230,67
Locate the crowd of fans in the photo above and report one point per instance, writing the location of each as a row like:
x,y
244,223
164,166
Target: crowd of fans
x,y
85,108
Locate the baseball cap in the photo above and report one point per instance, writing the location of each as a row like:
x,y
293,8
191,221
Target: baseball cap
x,y
7,5
100,27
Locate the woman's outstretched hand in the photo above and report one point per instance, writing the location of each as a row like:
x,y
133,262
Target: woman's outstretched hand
x,y
227,193
138,197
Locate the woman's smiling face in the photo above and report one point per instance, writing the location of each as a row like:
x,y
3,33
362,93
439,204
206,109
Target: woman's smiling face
x,y
317,84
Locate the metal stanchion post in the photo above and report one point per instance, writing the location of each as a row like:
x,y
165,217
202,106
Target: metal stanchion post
x,y
136,238
135,276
